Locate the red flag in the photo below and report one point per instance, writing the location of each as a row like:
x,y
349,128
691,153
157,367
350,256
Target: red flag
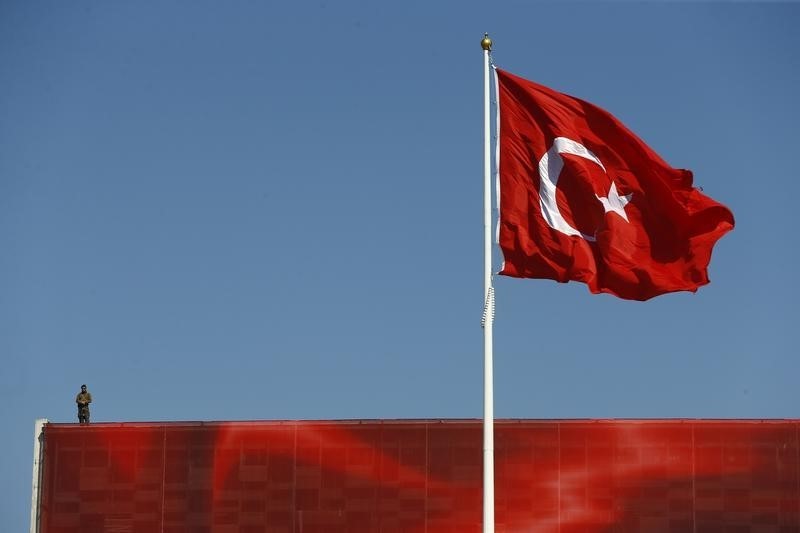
x,y
584,199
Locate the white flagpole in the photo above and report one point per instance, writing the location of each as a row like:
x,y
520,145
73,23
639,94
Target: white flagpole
x,y
488,291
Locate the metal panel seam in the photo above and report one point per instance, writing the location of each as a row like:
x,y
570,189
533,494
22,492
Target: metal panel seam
x,y
163,472
294,480
427,475
559,477
694,481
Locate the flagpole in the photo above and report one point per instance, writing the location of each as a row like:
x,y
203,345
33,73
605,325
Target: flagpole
x,y
488,292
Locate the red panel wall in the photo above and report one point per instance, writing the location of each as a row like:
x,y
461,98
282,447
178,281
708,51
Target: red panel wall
x,y
421,476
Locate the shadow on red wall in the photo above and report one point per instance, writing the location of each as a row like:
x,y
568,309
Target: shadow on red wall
x,y
415,476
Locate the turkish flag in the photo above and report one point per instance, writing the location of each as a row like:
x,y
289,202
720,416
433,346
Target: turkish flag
x,y
584,199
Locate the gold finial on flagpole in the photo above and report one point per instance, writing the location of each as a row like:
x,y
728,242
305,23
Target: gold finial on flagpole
x,y
486,43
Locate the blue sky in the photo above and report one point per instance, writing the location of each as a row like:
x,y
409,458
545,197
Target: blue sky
x,y
264,210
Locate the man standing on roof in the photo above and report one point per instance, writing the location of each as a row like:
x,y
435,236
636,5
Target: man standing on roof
x,y
83,400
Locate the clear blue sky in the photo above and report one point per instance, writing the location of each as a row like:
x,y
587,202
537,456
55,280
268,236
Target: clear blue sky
x,y
272,210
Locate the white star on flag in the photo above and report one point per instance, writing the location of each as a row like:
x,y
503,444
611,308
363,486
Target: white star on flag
x,y
614,202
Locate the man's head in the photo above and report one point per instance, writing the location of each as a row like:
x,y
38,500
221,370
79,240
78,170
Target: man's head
x,y
83,388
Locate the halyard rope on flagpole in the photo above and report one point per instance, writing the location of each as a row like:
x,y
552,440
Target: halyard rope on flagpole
x,y
488,308
488,292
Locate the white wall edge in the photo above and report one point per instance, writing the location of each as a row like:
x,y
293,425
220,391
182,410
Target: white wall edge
x,y
38,450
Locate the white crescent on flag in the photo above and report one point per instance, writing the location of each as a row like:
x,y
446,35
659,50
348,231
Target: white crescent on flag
x,y
550,166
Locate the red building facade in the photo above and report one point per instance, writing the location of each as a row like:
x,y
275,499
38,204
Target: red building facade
x,y
408,476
